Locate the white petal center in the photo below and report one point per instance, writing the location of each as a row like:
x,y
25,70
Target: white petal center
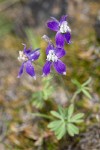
x,y
52,56
64,27
22,57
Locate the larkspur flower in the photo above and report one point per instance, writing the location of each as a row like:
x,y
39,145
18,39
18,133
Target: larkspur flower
x,y
63,30
27,56
53,58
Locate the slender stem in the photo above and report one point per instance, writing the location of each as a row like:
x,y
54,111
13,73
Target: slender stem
x,y
42,115
60,78
73,97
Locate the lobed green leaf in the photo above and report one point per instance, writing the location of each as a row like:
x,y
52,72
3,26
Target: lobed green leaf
x,y
77,117
86,93
72,129
61,111
87,82
56,114
76,83
61,132
70,111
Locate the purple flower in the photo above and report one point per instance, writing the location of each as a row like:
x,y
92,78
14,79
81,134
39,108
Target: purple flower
x,y
53,58
62,29
27,56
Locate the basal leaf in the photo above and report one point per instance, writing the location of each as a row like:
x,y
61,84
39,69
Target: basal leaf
x,y
56,114
72,129
69,130
77,117
75,129
54,125
59,130
70,111
61,111
65,122
62,131
77,121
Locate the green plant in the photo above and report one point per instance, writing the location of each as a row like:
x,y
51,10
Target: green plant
x,y
39,98
81,88
65,121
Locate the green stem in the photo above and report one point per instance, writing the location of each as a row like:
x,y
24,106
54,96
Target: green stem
x,y
60,78
73,97
42,115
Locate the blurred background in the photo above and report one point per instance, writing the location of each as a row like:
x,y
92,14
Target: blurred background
x,y
24,21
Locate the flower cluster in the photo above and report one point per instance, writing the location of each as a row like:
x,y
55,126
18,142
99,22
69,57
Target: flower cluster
x,y
53,53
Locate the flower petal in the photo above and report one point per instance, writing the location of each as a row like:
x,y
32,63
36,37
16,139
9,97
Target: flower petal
x,y
21,70
60,52
53,25
53,18
60,67
26,51
68,37
49,47
30,69
34,55
59,39
63,18
46,68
